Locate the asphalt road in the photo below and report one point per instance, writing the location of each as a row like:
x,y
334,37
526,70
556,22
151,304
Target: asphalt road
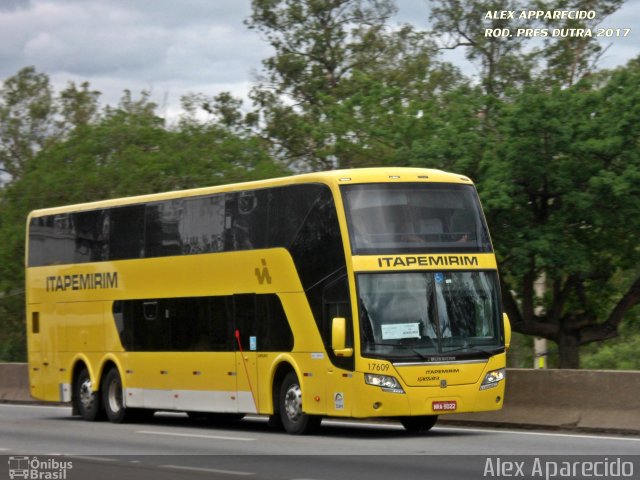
x,y
173,446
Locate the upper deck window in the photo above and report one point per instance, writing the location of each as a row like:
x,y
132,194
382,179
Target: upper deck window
x,y
415,217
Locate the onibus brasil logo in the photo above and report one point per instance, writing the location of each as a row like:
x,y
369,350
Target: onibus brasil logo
x,y
37,469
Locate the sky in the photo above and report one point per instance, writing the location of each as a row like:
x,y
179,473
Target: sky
x,y
173,47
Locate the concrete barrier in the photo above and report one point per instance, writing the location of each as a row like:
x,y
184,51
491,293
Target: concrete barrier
x,y
587,400
14,382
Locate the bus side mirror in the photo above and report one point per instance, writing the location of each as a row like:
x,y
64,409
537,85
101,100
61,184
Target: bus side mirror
x,y
507,331
339,337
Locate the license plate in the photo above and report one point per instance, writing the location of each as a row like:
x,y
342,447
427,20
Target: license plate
x,y
447,406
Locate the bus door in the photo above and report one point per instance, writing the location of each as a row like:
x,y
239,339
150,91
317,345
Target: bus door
x,y
246,343
263,333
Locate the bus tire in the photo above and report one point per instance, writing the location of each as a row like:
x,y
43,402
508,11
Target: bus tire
x,y
419,424
87,402
112,397
293,418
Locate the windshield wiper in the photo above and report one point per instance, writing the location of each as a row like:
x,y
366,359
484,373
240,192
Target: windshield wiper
x,y
399,345
473,349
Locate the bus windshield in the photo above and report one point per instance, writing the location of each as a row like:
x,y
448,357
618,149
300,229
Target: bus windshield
x,y
415,217
429,315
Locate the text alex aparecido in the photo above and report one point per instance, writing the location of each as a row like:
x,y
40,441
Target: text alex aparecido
x,y
535,467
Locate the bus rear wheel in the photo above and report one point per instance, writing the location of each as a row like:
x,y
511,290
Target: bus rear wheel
x,y
87,402
293,418
112,397
419,424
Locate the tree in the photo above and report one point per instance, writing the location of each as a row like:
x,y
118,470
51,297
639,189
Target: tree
x,y
78,106
26,119
562,194
337,62
508,61
571,57
31,117
502,59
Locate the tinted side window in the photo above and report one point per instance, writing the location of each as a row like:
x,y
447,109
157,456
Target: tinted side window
x,y
317,248
336,303
203,324
245,320
126,232
248,214
262,323
162,228
274,333
222,333
149,325
289,207
92,229
202,225
51,240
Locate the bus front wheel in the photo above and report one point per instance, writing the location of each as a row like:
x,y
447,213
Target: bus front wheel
x,y
419,424
87,402
293,418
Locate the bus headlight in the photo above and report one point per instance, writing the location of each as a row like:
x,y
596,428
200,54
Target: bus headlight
x,y
492,379
386,382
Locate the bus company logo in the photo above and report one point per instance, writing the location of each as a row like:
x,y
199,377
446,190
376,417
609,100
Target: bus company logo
x,y
88,281
429,261
262,273
36,469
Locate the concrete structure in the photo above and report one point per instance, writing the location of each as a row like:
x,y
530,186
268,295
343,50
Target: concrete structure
x,y
14,382
591,400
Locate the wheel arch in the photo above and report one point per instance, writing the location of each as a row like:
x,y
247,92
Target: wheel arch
x,y
281,369
109,362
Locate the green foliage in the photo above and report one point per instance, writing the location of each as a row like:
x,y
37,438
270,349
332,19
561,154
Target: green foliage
x,y
341,81
620,353
26,110
560,195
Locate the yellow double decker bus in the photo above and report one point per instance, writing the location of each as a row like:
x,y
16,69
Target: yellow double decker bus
x,y
355,293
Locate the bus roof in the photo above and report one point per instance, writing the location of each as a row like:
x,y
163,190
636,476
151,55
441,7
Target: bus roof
x,y
331,177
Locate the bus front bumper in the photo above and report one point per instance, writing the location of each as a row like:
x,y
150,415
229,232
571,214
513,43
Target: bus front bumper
x,y
374,401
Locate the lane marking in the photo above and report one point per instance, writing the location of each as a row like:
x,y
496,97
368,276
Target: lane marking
x,y
347,423
209,470
19,405
91,457
193,435
541,434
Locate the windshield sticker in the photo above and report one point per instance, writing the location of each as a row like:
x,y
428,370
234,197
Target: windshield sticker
x,y
439,277
397,331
